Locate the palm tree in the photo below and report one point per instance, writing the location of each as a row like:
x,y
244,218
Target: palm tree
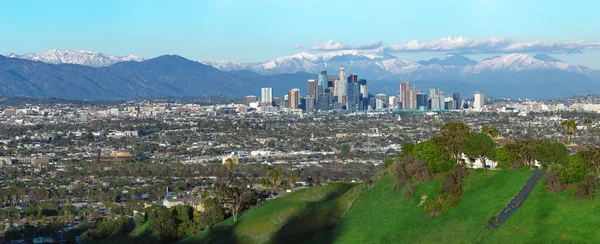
x,y
587,123
572,127
228,165
564,124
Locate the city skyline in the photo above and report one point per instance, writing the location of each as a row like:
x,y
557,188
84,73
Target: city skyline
x,y
210,30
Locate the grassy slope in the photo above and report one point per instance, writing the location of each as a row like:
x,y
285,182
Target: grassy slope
x,y
383,215
140,234
304,211
552,218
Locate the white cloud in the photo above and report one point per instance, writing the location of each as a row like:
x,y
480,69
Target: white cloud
x,y
490,45
333,46
299,46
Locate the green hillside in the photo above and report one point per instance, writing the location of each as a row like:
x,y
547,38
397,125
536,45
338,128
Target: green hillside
x,y
299,215
344,213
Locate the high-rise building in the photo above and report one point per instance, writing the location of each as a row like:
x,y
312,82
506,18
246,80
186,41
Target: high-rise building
x,y
266,95
340,88
456,98
406,97
309,105
422,100
392,101
331,82
323,102
432,91
435,102
352,78
276,101
383,97
412,99
250,99
294,98
442,97
354,102
479,101
364,94
312,87
322,83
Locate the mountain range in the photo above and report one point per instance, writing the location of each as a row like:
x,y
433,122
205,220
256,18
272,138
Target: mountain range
x,y
87,58
95,76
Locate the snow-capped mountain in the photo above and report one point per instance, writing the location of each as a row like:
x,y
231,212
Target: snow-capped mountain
x,y
87,58
380,65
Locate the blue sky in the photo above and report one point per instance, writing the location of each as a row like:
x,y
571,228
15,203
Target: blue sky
x,y
261,30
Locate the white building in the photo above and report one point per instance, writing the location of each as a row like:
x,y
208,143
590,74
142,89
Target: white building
x,y
479,101
266,95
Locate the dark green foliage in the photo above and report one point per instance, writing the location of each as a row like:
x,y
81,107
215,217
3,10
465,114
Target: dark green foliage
x,y
110,228
407,148
212,214
452,136
524,150
163,222
548,153
437,161
345,149
479,145
507,159
575,170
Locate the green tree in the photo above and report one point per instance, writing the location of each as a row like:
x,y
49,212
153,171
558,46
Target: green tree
x,y
479,145
407,148
571,128
163,223
575,170
345,149
505,157
436,160
212,214
452,136
591,156
238,196
275,177
524,150
549,153
587,122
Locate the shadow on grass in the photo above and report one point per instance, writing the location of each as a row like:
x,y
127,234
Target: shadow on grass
x,y
316,224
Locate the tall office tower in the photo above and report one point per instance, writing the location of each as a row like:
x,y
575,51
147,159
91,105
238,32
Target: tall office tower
x,y
340,87
323,102
276,101
382,97
379,104
442,97
294,98
309,105
479,101
363,94
286,100
456,97
422,100
412,95
331,82
435,102
352,78
392,101
250,99
266,95
312,87
354,102
322,81
432,91
405,96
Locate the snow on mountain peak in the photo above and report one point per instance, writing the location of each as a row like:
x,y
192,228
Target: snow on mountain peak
x,y
83,57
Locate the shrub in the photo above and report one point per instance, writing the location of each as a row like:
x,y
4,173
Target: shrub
x,y
553,183
400,175
441,204
575,171
410,191
587,188
417,169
